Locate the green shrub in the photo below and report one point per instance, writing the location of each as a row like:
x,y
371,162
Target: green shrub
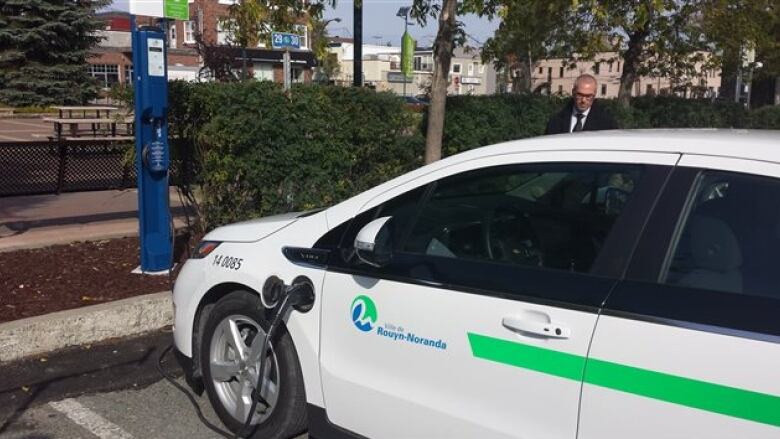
x,y
767,118
263,151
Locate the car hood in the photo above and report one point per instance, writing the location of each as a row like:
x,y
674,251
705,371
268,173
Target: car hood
x,y
253,230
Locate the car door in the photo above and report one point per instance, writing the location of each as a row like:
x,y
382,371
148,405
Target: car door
x,y
480,323
689,345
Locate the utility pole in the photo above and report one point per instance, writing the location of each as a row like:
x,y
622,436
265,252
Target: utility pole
x,y
357,23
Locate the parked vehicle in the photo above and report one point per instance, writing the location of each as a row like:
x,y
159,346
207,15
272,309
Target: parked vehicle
x,y
598,285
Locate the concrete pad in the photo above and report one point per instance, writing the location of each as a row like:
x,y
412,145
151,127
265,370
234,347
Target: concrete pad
x,y
40,237
121,318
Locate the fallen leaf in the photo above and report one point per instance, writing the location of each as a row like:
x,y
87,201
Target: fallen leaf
x,y
27,389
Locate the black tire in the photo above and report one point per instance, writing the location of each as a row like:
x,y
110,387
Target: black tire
x,y
288,416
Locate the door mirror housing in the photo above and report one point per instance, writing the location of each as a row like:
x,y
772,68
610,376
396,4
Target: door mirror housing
x,y
374,243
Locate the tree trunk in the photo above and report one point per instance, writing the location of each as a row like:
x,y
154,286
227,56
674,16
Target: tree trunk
x,y
442,56
631,61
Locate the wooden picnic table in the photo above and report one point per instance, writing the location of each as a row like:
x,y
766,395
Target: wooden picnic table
x,y
69,110
73,125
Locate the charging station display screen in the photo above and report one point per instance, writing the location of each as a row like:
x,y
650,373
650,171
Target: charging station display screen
x,y
156,57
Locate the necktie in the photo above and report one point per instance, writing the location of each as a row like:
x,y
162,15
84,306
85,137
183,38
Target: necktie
x,y
578,125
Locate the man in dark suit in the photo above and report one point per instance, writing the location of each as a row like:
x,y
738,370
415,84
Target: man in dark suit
x,y
582,113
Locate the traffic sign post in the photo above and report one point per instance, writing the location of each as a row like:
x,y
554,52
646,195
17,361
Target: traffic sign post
x,y
281,40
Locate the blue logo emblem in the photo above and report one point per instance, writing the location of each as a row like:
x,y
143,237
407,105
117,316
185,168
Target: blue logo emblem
x,y
364,313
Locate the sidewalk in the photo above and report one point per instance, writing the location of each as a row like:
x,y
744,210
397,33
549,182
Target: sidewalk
x,y
43,220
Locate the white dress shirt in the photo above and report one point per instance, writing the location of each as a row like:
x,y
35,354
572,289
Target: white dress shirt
x,y
573,120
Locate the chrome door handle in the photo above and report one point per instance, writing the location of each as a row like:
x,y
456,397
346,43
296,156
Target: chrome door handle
x,y
545,329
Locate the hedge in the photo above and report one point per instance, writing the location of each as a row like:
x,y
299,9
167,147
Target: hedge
x,y
263,151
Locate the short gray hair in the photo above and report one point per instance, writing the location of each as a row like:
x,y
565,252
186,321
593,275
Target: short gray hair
x,y
585,77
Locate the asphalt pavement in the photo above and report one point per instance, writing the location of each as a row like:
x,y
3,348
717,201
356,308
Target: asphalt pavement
x,y
110,390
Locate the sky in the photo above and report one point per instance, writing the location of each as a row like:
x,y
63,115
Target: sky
x,y
380,24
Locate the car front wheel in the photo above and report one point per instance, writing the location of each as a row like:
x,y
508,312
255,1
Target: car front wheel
x,y
231,327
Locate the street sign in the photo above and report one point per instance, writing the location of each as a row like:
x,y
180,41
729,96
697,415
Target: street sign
x,y
176,9
281,40
399,77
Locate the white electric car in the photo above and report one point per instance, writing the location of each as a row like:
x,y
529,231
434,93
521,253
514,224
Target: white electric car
x,y
620,284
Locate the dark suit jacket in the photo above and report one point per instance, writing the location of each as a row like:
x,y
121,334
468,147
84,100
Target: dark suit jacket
x,y
598,119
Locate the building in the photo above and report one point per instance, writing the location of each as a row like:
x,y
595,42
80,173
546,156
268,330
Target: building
x,y
382,69
112,62
554,76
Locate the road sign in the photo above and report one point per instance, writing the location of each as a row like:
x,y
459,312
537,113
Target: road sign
x,y
176,9
281,40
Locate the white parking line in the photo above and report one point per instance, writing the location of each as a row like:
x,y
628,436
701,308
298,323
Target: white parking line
x,y
90,420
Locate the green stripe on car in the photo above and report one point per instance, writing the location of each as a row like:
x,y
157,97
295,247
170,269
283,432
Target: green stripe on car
x,y
716,398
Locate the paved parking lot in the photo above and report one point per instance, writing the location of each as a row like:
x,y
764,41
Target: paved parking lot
x,y
111,391
23,130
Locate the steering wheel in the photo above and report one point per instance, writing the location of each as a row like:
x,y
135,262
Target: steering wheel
x,y
511,238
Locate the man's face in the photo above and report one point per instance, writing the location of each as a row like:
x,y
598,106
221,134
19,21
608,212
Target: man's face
x,y
584,92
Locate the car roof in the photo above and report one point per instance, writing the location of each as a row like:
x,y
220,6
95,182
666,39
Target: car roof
x,y
763,145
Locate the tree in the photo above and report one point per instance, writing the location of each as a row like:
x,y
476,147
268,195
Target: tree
x,y
44,46
449,35
732,26
528,31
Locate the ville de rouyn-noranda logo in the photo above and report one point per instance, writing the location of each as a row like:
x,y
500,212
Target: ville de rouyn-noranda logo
x,y
363,313
364,316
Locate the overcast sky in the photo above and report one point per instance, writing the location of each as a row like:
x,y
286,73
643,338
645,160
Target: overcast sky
x,y
381,25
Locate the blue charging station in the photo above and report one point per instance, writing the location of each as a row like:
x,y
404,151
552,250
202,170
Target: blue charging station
x,y
151,144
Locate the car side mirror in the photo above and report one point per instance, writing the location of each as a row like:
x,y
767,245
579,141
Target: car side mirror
x,y
374,243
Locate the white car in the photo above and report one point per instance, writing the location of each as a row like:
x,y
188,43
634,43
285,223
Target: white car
x,y
620,284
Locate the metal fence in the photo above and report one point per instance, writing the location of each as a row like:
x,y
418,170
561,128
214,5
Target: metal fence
x,y
68,166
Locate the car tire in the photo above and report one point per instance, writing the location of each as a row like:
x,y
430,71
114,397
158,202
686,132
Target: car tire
x,y
241,314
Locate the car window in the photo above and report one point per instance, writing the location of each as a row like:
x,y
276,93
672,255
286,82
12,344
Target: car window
x,y
730,237
550,216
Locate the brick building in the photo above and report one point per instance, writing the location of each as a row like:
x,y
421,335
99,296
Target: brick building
x,y
112,61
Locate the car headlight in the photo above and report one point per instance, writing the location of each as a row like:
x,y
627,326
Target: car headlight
x,y
204,248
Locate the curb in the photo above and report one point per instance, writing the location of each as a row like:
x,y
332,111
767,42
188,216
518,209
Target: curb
x,y
90,324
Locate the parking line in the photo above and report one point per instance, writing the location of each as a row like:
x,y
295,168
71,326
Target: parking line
x,y
90,420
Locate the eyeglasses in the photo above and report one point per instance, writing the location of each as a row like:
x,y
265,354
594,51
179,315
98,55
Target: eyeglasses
x,y
584,96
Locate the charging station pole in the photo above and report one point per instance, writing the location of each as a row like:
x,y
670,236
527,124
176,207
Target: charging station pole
x,y
150,81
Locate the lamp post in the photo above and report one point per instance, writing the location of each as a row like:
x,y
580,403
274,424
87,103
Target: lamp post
x,y
406,42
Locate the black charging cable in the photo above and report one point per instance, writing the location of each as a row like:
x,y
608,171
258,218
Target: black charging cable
x,y
191,398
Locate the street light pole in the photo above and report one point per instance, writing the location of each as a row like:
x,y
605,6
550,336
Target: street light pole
x,y
357,64
403,12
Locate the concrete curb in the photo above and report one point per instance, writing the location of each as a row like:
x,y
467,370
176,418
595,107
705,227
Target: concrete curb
x,y
121,318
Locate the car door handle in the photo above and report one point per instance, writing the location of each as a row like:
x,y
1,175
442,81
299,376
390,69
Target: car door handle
x,y
545,329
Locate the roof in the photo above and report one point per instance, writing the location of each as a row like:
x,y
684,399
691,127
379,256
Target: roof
x,y
733,143
763,145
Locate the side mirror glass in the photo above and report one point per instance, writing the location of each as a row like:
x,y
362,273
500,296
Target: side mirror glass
x,y
374,243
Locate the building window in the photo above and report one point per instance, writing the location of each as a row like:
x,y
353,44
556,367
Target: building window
x,y
560,89
129,74
597,68
189,31
541,70
456,68
618,67
172,35
471,69
106,74
264,71
481,69
649,90
603,89
296,75
549,72
610,67
560,73
223,35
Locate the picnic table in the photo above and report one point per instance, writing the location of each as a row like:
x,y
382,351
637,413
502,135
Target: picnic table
x,y
103,124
